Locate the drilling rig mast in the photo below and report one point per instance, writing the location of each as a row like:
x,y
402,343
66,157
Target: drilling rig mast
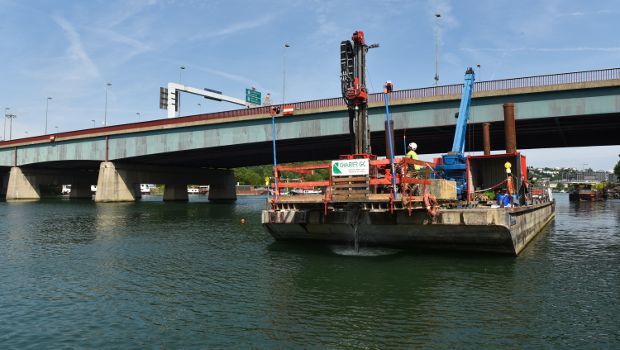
x,y
354,92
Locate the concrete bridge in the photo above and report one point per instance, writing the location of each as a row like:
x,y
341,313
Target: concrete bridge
x,y
560,110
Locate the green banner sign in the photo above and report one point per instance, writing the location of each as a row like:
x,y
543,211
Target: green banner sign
x,y
350,167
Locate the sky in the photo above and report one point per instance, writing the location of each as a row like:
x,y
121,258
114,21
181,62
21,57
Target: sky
x,y
70,50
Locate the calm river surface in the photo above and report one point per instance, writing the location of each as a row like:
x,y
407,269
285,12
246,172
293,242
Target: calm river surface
x,y
75,274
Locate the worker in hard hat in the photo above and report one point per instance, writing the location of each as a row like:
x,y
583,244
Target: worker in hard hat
x,y
412,155
413,173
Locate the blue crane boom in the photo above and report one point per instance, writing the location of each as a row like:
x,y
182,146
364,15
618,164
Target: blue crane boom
x,y
458,146
454,163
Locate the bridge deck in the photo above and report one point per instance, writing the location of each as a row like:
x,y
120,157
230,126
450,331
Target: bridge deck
x,y
515,86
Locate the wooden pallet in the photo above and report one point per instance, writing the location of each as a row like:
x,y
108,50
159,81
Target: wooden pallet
x,y
350,188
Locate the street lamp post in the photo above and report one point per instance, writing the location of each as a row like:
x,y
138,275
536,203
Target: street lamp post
x,y
437,16
47,104
6,112
200,108
105,112
286,45
138,115
181,69
178,102
11,117
93,120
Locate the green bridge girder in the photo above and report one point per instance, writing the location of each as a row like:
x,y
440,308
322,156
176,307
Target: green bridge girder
x,y
574,117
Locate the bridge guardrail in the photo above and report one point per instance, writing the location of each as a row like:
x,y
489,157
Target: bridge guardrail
x,y
444,90
449,90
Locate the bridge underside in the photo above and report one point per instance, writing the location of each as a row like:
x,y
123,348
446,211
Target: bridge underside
x,y
579,131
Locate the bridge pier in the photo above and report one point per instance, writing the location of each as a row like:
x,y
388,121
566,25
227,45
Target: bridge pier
x,y
119,182
222,187
137,191
21,186
80,190
4,180
175,192
115,185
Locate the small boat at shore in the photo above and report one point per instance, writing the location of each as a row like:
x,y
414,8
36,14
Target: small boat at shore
x,y
589,192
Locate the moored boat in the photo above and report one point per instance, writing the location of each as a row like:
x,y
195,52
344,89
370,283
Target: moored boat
x,y
588,192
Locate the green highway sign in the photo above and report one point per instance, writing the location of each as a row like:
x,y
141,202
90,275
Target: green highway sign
x,y
252,96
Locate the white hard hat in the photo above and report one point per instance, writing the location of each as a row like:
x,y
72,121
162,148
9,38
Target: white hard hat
x,y
413,146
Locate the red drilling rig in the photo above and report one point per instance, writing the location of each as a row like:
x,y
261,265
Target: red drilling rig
x,y
354,92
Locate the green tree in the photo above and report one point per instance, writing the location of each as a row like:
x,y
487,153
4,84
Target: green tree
x,y
617,169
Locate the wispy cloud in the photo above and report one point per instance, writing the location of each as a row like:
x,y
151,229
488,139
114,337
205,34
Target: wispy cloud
x,y
136,46
229,76
235,28
84,65
583,13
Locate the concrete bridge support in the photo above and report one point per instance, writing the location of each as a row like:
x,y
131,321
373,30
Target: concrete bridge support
x,y
4,181
115,185
137,191
119,182
222,187
22,183
80,190
21,186
175,192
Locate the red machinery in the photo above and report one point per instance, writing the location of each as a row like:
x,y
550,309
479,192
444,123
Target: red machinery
x,y
353,85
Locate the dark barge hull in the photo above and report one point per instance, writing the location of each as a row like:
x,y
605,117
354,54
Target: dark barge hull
x,y
498,230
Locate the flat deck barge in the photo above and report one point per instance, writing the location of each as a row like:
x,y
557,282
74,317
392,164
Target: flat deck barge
x,y
499,230
351,211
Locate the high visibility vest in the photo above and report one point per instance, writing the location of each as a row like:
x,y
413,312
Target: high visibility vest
x,y
412,155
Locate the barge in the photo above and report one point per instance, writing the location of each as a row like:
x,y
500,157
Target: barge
x,y
352,212
449,203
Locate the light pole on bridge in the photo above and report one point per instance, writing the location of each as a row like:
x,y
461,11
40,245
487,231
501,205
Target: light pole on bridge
x,y
286,45
93,120
47,104
11,117
105,111
437,16
6,112
178,102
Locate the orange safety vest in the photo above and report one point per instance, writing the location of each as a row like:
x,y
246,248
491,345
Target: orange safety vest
x,y
509,185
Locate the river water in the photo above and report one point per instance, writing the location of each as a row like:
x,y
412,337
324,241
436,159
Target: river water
x,y
75,274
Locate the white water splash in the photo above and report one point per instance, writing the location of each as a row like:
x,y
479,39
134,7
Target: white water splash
x,y
347,250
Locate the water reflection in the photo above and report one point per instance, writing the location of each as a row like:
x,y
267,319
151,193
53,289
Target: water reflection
x,y
181,275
